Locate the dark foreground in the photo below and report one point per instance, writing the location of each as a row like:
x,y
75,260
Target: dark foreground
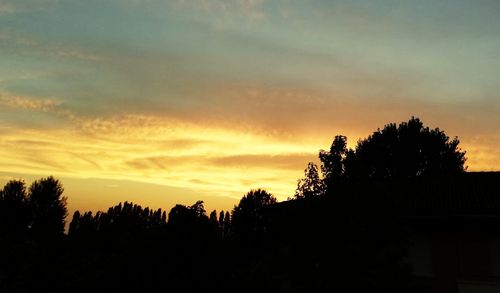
x,y
442,236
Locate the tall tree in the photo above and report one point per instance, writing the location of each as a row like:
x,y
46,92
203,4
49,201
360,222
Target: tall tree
x,y
311,185
48,206
15,215
247,215
215,224
14,190
332,162
74,225
226,225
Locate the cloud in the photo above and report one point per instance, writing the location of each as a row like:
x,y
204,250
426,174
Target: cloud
x,y
222,159
49,106
28,103
483,153
294,161
157,150
252,9
162,163
72,53
25,43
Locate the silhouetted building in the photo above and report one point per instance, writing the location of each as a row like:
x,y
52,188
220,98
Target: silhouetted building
x,y
454,231
449,227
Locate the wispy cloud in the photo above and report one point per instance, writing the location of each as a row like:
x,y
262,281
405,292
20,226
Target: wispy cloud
x,y
252,9
28,103
73,54
50,106
34,45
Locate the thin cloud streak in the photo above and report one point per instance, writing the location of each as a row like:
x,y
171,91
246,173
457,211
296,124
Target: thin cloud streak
x,y
27,103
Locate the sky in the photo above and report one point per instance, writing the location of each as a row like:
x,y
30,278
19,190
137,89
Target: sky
x,y
165,102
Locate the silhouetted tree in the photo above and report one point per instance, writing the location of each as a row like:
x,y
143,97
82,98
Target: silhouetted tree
x,y
213,217
14,190
191,223
333,160
215,224
15,215
122,219
407,150
74,225
221,218
48,206
311,185
183,215
226,226
199,209
404,151
247,215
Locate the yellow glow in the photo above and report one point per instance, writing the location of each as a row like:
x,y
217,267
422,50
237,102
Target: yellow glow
x,y
172,160
214,160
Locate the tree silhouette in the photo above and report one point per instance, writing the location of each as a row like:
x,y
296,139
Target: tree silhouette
x,y
407,150
226,225
214,222
48,206
247,215
221,219
191,223
183,215
333,161
123,219
74,225
199,209
311,185
14,190
15,215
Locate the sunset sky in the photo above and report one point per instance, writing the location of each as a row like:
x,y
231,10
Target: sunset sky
x,y
164,102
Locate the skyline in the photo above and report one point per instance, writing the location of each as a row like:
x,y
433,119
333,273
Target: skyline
x,y
208,99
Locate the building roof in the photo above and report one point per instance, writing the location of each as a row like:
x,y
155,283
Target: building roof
x,y
471,194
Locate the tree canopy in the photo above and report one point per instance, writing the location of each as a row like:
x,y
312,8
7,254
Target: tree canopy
x,y
407,150
311,185
247,215
48,205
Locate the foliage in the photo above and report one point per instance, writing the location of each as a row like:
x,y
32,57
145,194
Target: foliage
x,y
247,215
332,161
126,218
311,185
48,206
15,215
407,150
